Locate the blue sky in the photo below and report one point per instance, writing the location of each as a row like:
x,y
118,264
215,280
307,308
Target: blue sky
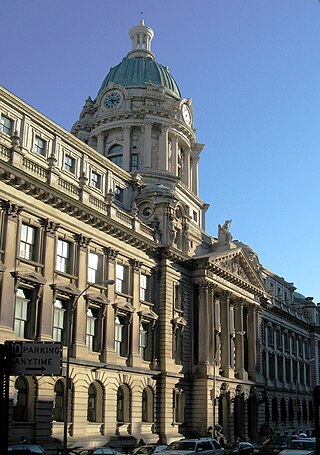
x,y
252,69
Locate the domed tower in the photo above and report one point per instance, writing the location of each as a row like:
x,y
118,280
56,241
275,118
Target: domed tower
x,y
141,123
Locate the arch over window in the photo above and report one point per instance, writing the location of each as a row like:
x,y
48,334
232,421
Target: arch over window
x,y
58,410
123,404
95,402
115,154
147,405
20,400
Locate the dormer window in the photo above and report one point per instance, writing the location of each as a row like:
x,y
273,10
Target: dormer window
x,y
115,154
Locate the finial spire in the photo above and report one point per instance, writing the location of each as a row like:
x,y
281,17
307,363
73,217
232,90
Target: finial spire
x,y
141,36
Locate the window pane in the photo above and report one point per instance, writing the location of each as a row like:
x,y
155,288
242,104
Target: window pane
x,y
5,125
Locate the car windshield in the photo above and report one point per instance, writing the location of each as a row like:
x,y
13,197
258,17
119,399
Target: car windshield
x,y
182,445
279,440
301,445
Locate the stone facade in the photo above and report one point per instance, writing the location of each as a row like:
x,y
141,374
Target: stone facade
x,y
194,331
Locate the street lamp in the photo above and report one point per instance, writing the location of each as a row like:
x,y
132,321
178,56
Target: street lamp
x,y
67,375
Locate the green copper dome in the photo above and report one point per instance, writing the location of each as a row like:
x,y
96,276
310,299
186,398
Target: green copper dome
x,y
140,67
138,71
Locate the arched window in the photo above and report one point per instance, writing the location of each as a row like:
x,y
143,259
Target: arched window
x,y
275,412
134,159
311,412
123,404
266,410
115,154
283,410
291,411
92,404
20,400
147,405
58,401
304,411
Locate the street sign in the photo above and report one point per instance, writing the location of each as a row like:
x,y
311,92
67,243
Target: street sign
x,y
34,358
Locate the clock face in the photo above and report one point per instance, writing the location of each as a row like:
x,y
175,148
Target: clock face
x,y
186,114
112,100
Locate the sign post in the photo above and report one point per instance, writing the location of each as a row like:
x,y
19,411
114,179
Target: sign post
x,y
34,358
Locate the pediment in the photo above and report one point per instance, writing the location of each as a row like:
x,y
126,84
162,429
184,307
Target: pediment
x,y
66,289
235,264
148,315
29,277
124,308
99,299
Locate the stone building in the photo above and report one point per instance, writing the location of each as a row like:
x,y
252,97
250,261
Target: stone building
x,y
193,332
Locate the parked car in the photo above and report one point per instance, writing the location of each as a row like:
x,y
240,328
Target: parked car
x,y
25,449
104,451
273,445
193,446
303,446
149,449
243,447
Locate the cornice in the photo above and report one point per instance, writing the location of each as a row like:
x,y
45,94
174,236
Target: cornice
x,y
58,199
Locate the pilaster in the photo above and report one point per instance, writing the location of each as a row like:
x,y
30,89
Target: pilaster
x,y
12,212
163,148
147,128
126,147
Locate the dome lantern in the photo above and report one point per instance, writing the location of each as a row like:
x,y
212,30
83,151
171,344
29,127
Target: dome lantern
x,y
141,37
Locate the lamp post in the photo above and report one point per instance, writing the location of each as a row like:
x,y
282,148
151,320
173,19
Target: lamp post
x,y
67,375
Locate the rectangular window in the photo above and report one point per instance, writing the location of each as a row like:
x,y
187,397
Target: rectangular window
x,y
95,180
118,336
91,330
279,339
94,268
69,164
6,125
59,315
195,216
145,288
178,297
27,242
39,146
143,341
63,256
134,162
286,341
118,194
21,314
270,335
122,277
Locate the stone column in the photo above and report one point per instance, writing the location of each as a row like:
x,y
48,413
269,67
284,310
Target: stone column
x,y
252,341
11,233
126,148
108,352
134,344
147,155
239,341
174,142
80,313
163,148
225,334
49,261
203,323
186,167
195,164
100,144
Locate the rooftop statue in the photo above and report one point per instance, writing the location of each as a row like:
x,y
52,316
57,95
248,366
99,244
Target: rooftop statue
x,y
224,235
